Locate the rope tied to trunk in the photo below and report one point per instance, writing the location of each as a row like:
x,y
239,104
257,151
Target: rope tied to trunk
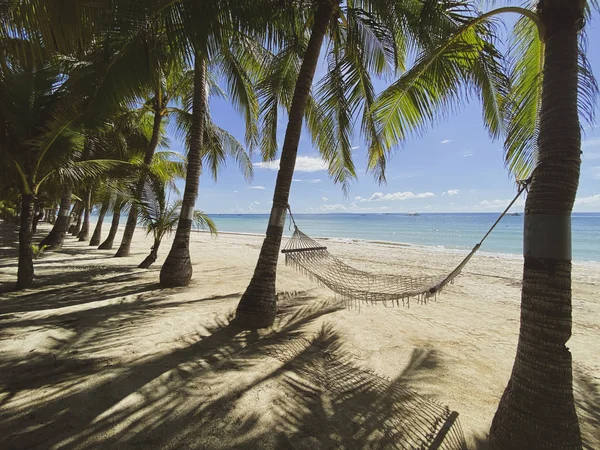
x,y
314,260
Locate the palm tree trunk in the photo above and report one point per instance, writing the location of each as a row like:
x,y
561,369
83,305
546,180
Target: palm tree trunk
x,y
38,214
85,227
114,227
25,270
258,305
56,237
79,214
151,258
537,409
177,269
95,240
125,247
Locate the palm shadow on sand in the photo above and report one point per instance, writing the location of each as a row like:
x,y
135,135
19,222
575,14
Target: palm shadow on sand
x,y
209,386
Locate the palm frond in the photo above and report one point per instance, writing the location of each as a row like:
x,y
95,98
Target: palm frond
x,y
203,222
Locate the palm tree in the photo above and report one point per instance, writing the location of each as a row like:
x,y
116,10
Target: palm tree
x,y
119,202
537,409
97,234
542,130
160,217
366,38
257,307
36,138
237,60
169,81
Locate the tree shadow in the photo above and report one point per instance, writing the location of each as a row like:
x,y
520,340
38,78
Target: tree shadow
x,y
77,287
77,392
220,387
587,400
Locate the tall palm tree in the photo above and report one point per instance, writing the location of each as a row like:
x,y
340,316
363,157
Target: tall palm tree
x,y
550,86
366,38
257,307
537,409
168,82
221,49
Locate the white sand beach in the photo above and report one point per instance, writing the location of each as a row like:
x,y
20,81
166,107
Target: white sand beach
x,y
97,355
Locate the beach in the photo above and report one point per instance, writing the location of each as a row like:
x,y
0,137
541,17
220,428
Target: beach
x,y
97,355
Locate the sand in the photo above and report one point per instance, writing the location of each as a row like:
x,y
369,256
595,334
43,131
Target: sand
x,y
97,355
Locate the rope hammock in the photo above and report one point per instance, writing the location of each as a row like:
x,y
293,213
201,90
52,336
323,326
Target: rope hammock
x,y
313,260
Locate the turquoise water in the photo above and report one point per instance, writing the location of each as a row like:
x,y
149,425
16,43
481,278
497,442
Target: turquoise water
x,y
454,231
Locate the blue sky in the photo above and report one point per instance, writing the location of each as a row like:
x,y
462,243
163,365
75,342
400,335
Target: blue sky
x,y
454,167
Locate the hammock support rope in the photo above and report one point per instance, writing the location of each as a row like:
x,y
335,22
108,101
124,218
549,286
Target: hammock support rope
x,y
314,260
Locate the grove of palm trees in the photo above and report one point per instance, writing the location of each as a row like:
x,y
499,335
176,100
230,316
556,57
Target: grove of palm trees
x,y
136,313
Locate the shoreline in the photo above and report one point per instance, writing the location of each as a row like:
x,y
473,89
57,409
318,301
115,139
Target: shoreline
x,y
432,248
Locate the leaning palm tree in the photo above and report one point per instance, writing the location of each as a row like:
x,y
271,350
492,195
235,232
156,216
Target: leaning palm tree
x,y
161,216
549,81
367,38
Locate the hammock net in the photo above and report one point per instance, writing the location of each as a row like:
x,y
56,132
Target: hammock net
x,y
314,260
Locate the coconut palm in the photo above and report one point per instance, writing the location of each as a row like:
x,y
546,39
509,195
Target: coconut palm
x,y
366,39
37,138
549,81
161,216
119,203
234,64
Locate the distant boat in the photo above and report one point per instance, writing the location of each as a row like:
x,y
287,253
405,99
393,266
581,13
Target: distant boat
x,y
515,214
413,214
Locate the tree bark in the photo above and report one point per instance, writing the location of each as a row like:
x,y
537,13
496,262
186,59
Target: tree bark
x,y
151,258
114,226
38,214
125,247
537,409
85,227
56,237
95,240
79,214
25,269
177,269
258,305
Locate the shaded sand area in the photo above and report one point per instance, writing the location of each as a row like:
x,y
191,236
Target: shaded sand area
x,y
97,355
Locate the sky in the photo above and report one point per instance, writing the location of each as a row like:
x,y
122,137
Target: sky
x,y
454,167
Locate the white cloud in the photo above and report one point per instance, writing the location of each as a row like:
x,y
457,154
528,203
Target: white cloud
x,y
257,187
379,196
303,164
451,192
332,208
359,198
466,153
310,181
355,148
325,199
591,200
446,141
234,192
492,203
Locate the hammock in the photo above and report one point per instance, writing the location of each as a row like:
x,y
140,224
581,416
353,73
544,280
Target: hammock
x,y
313,260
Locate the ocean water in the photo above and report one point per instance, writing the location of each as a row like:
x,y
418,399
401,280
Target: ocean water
x,y
453,231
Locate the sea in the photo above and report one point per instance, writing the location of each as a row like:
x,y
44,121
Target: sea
x,y
458,231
